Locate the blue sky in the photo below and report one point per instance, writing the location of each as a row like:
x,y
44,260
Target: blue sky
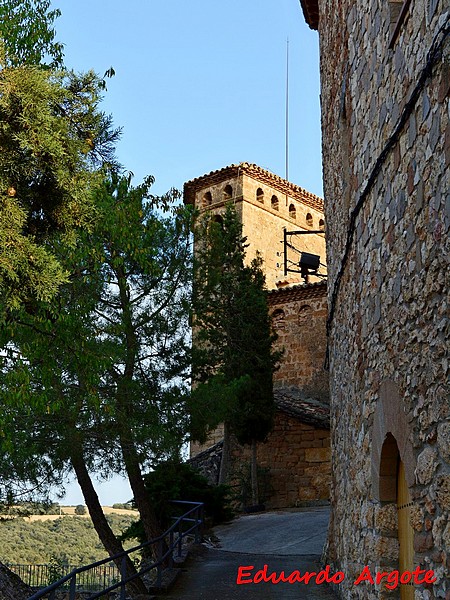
x,y
200,85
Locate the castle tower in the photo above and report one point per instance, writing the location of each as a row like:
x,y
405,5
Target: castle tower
x,y
267,205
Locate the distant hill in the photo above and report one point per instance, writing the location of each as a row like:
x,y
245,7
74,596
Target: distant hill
x,y
41,538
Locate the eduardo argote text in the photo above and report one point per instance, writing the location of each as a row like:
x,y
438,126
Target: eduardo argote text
x,y
391,579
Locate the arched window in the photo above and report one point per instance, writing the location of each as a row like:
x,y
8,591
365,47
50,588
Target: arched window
x,y
227,192
309,220
218,219
260,195
207,200
278,319
304,315
292,212
274,203
321,224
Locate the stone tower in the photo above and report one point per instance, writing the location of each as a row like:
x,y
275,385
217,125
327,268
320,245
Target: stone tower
x,y
267,204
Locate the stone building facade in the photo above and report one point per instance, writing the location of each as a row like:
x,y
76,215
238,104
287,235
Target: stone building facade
x,y
385,80
297,452
267,204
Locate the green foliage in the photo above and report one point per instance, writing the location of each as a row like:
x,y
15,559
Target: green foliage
x,y
108,365
233,356
80,509
174,480
58,566
71,539
26,28
52,139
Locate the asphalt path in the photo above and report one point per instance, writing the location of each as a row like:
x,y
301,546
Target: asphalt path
x,y
286,541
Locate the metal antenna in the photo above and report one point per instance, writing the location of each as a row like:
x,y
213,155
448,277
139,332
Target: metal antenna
x,y
287,114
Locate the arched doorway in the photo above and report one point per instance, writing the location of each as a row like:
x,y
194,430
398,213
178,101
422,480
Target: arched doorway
x,y
394,490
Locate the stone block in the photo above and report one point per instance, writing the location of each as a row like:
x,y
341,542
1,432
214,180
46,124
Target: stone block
x,y
426,465
386,520
317,455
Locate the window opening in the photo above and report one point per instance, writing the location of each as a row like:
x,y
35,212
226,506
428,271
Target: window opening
x,y
227,192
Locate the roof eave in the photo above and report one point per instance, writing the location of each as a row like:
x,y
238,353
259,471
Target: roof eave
x,y
311,12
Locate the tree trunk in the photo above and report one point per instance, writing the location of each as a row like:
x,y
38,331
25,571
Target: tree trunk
x,y
225,461
254,474
101,525
150,522
11,586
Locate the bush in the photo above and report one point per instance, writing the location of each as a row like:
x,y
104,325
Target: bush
x,y
123,505
179,481
80,509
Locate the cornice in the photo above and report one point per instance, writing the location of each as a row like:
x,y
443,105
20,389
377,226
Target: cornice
x,y
311,12
258,174
297,292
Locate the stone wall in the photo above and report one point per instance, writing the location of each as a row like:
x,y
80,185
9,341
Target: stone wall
x,y
299,317
253,191
298,460
386,157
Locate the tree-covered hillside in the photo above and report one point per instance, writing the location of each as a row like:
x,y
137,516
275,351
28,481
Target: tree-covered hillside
x,y
71,538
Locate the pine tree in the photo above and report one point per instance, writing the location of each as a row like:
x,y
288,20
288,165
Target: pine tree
x,y
99,382
233,360
53,139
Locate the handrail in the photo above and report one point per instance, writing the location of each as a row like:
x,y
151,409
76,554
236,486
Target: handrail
x,y
197,519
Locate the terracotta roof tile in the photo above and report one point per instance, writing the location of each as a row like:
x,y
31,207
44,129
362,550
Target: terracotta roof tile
x,y
258,173
294,403
297,292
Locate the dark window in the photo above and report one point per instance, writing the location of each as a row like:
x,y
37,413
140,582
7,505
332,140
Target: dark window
x,y
309,220
274,202
260,195
227,192
292,212
207,200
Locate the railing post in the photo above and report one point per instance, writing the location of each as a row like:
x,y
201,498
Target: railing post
x,y
159,565
180,537
73,587
171,548
123,576
199,524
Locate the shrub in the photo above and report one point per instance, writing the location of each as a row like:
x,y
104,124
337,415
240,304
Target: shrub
x,y
80,509
179,481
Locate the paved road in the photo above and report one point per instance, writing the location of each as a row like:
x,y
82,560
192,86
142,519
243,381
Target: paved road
x,y
284,541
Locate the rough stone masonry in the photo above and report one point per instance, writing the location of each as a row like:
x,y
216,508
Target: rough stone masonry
x,y
385,79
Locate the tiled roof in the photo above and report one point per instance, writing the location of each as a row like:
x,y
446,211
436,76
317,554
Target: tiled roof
x,y
311,12
297,292
258,173
295,403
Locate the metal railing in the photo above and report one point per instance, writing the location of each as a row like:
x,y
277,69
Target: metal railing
x,y
167,545
41,576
